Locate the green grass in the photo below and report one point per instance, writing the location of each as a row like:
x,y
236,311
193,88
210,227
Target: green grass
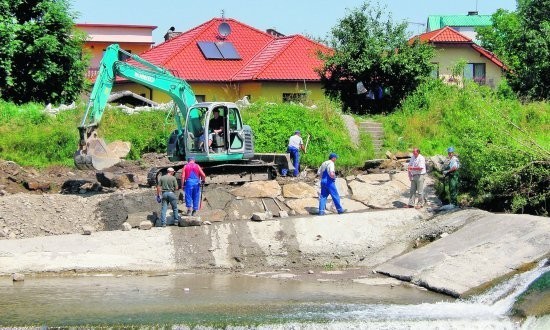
x,y
31,137
503,144
273,124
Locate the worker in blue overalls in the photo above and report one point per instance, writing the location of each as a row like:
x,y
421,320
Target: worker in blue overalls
x,y
192,177
327,173
295,144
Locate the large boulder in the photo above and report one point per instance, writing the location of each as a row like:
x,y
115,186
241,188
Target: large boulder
x,y
217,198
376,194
258,189
242,209
342,187
117,180
304,206
299,190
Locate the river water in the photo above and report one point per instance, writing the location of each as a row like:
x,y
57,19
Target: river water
x,y
229,301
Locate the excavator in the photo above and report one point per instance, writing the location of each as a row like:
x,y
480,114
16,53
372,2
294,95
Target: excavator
x,y
227,156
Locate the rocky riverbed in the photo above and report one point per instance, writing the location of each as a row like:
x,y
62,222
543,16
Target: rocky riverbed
x,y
61,200
41,231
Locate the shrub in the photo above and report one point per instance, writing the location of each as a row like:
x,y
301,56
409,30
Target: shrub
x,y
31,137
273,124
502,144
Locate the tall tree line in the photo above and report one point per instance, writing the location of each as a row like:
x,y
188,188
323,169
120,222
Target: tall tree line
x,y
522,40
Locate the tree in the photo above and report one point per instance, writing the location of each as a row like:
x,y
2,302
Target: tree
x,y
41,56
522,40
375,54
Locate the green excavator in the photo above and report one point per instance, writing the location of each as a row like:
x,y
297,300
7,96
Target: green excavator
x,y
226,156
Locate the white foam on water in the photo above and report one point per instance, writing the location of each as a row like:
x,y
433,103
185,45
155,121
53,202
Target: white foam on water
x,y
485,311
501,298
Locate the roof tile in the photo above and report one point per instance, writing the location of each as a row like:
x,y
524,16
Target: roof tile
x,y
263,56
448,35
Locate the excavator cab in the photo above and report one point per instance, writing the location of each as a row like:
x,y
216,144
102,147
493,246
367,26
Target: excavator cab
x,y
233,142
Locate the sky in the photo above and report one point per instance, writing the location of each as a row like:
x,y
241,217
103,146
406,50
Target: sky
x,y
311,18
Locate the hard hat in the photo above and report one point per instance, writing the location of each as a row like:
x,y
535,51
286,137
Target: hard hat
x,y
332,155
170,169
450,149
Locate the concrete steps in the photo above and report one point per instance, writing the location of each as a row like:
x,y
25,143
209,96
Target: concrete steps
x,y
376,131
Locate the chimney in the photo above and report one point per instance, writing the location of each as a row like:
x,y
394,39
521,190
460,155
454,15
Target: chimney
x,y
472,13
170,34
274,33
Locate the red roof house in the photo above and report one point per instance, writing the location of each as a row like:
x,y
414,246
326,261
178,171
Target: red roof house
x,y
224,59
451,47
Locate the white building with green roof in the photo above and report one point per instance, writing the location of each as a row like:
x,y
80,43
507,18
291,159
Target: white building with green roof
x,y
465,24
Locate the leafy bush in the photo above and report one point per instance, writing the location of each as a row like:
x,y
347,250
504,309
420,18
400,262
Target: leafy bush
x,y
146,131
502,144
31,137
273,124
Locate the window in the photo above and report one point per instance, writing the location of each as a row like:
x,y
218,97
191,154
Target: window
x,y
294,97
200,98
234,119
475,72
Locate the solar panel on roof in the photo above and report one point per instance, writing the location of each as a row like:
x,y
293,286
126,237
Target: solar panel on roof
x,y
209,50
218,50
228,50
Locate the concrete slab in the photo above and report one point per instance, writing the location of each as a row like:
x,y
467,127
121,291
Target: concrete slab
x,y
351,238
134,250
478,253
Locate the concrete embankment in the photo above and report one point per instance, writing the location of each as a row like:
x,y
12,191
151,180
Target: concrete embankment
x,y
480,247
362,239
475,255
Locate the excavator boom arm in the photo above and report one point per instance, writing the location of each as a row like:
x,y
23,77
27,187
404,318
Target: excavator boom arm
x,y
112,66
93,152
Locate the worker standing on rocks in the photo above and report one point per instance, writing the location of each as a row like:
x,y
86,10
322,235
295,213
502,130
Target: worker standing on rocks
x,y
295,144
328,185
166,190
452,174
417,172
192,177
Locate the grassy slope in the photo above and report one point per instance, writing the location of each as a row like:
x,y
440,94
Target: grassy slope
x,y
31,137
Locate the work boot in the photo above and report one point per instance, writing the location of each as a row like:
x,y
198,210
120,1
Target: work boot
x,y
188,212
342,211
194,212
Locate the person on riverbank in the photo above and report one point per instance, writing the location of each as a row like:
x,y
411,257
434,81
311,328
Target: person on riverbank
x,y
295,144
166,190
192,177
451,174
327,173
417,172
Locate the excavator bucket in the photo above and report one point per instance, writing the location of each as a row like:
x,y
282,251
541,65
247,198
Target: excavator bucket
x,y
98,155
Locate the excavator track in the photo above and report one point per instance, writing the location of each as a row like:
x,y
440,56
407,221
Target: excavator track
x,y
247,171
